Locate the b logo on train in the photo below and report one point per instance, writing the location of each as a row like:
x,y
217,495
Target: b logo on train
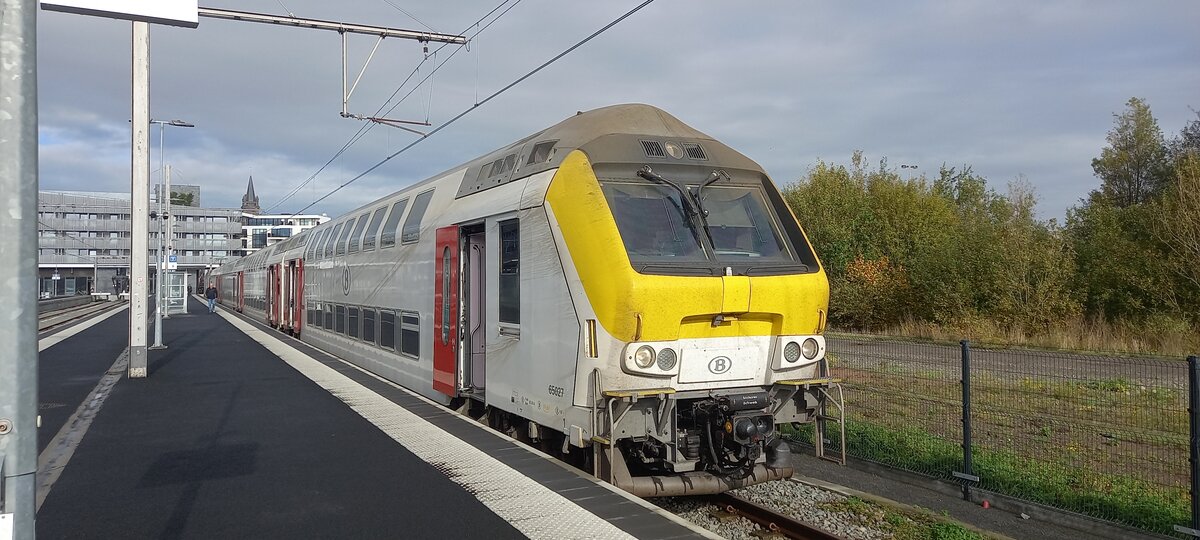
x,y
620,288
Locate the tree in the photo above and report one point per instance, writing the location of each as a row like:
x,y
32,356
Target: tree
x,y
1133,167
1187,142
1179,226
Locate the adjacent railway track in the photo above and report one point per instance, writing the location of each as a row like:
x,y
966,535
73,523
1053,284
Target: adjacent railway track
x,y
775,524
53,320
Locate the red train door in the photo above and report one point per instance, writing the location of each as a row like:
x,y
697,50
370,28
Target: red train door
x,y
445,312
241,291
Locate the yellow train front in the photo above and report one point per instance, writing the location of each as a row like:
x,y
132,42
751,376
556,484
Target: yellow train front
x,y
702,304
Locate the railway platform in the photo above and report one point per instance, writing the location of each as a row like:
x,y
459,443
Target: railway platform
x,y
241,432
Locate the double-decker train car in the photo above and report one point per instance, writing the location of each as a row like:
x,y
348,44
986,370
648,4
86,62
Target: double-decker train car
x,y
620,288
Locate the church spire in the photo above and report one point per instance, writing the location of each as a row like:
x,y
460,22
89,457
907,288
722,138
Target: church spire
x,y
250,200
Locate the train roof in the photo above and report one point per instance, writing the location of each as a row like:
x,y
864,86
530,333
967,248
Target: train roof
x,y
627,133
632,133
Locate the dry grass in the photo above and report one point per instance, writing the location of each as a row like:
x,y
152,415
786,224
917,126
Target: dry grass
x,y
1158,337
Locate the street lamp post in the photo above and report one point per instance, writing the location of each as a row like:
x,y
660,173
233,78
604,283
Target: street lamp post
x,y
159,296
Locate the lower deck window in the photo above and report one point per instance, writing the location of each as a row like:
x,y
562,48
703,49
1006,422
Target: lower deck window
x,y
368,325
387,330
352,322
328,318
339,319
410,333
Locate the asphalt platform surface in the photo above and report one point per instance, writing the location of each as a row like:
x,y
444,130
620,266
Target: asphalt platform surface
x,y
224,440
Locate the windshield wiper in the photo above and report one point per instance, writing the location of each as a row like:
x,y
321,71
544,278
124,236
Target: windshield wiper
x,y
712,177
694,207
650,175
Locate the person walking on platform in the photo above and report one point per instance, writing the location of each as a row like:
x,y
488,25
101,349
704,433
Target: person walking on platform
x,y
211,294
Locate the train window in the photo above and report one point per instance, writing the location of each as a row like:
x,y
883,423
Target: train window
x,y
352,322
328,318
329,242
741,226
368,325
653,224
357,234
315,245
387,330
341,239
339,319
410,333
447,296
388,238
319,251
540,152
368,242
510,272
412,225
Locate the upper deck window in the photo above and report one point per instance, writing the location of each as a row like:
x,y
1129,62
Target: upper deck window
x,y
368,243
341,240
412,225
357,234
331,241
388,238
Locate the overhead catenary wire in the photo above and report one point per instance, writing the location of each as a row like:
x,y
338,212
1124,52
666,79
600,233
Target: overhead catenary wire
x,y
366,128
485,100
410,15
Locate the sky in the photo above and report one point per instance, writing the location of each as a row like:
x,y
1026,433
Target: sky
x,y
1016,91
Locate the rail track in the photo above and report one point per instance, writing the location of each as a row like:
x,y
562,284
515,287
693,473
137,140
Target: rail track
x,y
775,524
53,320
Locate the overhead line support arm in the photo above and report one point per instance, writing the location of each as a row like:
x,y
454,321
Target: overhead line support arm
x,y
317,24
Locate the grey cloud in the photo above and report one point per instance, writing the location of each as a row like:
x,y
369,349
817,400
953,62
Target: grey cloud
x,y
1010,89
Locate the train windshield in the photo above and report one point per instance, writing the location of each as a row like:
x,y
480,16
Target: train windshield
x,y
740,225
653,225
655,228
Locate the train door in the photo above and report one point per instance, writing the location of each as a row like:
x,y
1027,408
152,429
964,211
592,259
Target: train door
x,y
272,299
297,268
445,312
241,290
473,300
284,310
277,300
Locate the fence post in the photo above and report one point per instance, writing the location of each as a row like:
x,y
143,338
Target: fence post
x,y
967,475
1194,430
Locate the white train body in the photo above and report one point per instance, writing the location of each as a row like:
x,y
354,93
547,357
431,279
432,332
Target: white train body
x,y
510,286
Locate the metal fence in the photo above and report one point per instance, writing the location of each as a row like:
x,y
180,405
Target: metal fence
x,y
1099,435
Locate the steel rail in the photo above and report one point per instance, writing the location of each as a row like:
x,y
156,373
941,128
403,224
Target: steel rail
x,y
55,319
769,519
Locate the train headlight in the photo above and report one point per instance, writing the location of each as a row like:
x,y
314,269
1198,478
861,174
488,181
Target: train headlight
x,y
644,357
791,351
666,359
809,349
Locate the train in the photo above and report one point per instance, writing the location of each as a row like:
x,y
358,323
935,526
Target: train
x,y
620,289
